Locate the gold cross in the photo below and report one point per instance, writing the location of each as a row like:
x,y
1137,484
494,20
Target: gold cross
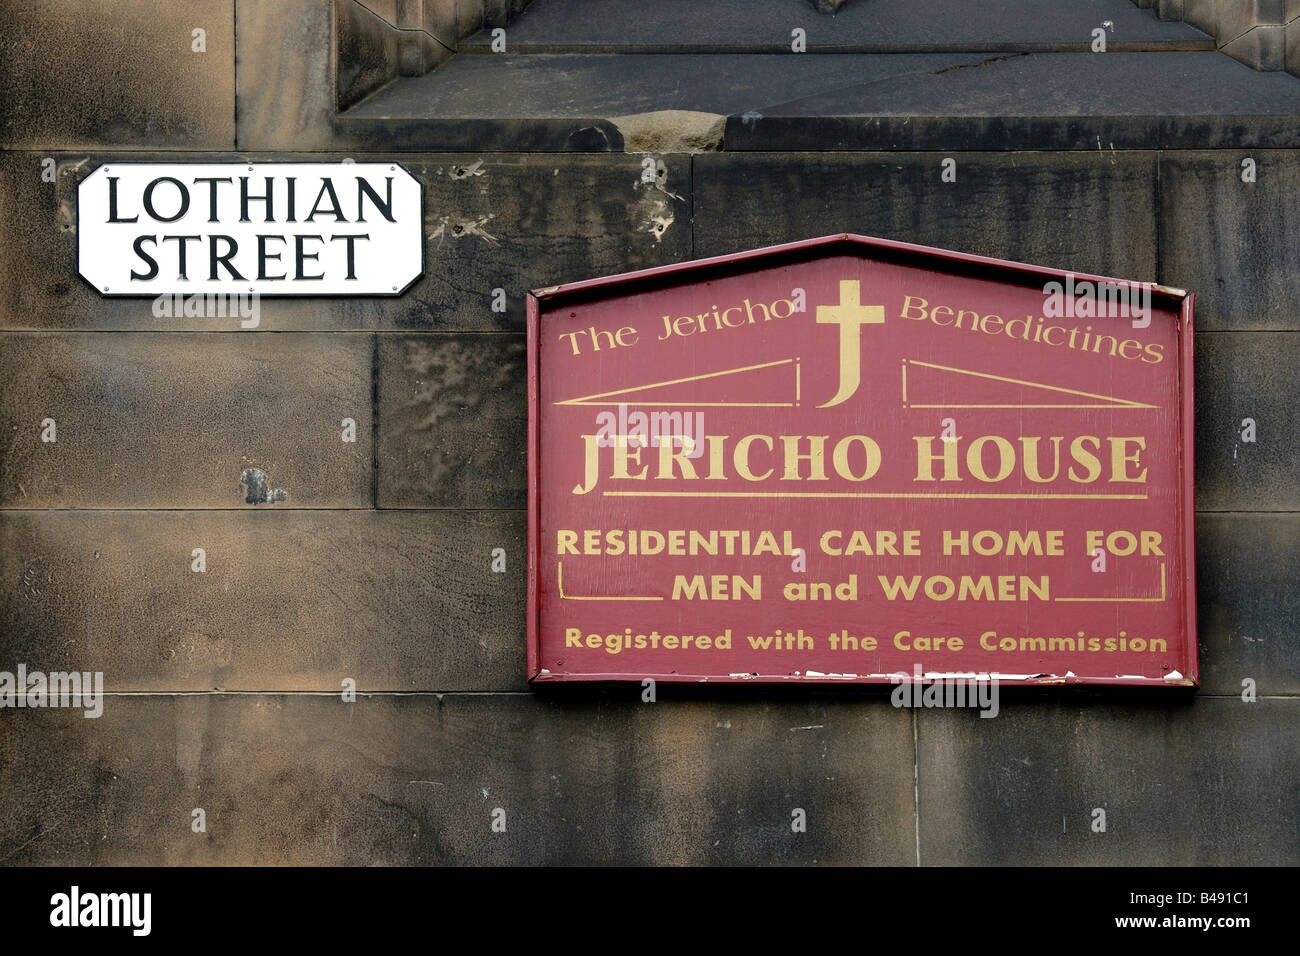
x,y
850,315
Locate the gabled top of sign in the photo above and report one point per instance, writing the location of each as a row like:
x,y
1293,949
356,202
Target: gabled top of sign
x,y
854,459
844,243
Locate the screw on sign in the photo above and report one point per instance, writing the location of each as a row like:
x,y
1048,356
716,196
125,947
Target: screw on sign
x,y
850,459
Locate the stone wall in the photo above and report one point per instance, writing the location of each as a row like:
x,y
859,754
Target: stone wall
x,y
1264,34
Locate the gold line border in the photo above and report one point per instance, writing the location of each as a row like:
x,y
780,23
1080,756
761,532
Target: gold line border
x,y
587,399
1120,600
691,404
1127,407
559,586
862,494
1112,401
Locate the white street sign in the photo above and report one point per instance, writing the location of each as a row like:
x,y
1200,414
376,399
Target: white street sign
x,y
310,229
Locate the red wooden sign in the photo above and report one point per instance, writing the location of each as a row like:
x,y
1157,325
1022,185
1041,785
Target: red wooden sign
x,y
850,459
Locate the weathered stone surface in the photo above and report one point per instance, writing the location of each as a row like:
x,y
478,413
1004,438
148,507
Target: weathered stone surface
x,y
1119,100
288,94
868,26
1242,375
415,779
1183,782
366,53
1239,260
849,100
1169,9
447,20
1237,17
521,222
1086,211
1261,48
285,92
509,222
469,17
1202,14
289,600
1292,52
73,78
671,131
521,101
437,18
1247,566
174,420
452,421
993,99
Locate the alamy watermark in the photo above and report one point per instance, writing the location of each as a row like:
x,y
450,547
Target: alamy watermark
x,y
245,306
25,688
1086,299
642,429
946,690
75,908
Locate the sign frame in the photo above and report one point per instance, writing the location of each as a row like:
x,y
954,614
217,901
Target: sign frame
x,y
549,299
295,288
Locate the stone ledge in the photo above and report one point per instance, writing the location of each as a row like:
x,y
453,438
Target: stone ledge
x,y
847,101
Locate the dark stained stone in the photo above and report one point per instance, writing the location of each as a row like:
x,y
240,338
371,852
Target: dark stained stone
x,y
289,600
73,77
1036,101
366,52
1291,52
867,26
452,421
1204,782
1247,566
991,99
174,420
1086,211
1242,375
415,779
1235,244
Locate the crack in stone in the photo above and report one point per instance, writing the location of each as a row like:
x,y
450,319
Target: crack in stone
x,y
967,66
